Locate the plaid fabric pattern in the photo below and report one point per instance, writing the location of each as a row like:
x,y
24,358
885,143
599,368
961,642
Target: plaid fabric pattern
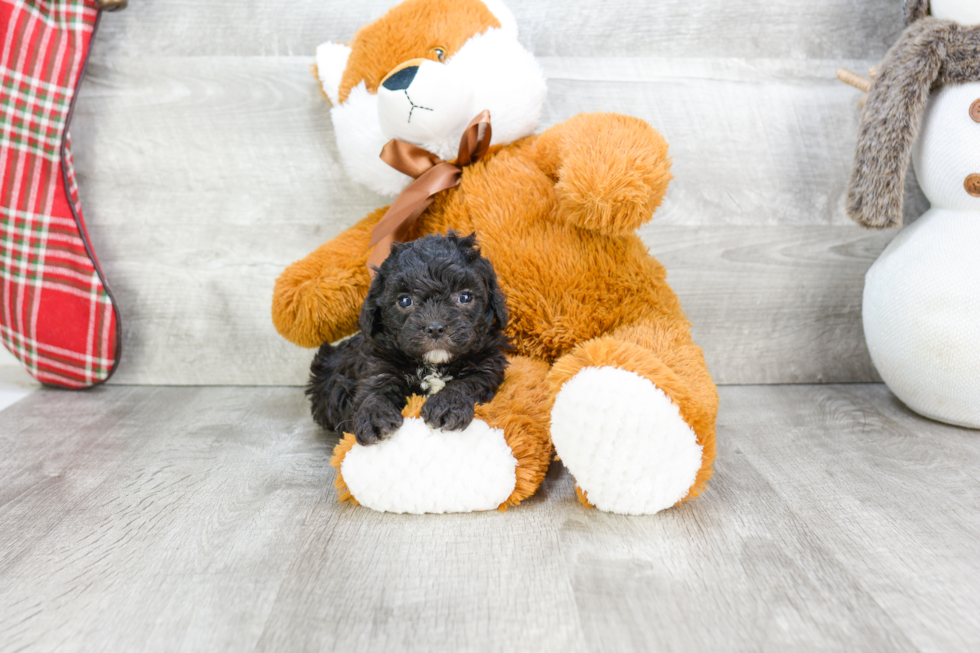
x,y
56,314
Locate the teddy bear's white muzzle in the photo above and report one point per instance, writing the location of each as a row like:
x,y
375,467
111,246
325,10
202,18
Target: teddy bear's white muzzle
x,y
424,103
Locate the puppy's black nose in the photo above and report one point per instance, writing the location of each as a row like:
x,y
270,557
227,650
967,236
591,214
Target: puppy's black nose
x,y
402,79
435,329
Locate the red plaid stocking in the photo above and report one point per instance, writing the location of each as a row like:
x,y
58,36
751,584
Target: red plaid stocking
x,y
56,313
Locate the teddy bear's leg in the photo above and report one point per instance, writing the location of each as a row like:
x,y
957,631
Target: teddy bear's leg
x,y
318,298
521,409
633,418
611,171
496,462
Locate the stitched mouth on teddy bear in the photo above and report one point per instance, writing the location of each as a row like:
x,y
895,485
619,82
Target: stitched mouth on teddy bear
x,y
421,101
414,107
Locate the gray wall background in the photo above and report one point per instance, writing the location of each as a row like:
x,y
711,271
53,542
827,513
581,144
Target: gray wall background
x,y
206,163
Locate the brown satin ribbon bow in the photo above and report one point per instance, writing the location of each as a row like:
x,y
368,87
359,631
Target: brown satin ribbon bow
x,y
431,174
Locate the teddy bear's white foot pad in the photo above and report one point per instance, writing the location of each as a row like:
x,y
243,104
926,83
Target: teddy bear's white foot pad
x,y
624,441
423,470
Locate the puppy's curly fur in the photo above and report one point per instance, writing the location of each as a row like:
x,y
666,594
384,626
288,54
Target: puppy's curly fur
x,y
433,323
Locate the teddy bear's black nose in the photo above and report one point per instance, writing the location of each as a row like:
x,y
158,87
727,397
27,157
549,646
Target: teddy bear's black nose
x,y
435,329
402,79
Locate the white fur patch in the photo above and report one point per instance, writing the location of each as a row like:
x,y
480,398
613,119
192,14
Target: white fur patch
x,y
423,470
331,60
624,441
432,382
437,356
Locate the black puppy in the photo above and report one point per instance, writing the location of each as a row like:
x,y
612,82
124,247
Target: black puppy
x,y
432,324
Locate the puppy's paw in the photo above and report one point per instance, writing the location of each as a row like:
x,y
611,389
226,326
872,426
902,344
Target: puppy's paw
x,y
374,420
448,410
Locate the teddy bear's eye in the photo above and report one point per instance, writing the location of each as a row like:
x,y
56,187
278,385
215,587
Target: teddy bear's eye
x,y
465,298
404,301
439,52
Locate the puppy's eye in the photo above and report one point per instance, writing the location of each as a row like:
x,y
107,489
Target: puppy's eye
x,y
465,298
404,301
439,52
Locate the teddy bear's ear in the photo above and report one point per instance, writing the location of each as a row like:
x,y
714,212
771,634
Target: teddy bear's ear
x,y
466,244
331,61
915,9
508,24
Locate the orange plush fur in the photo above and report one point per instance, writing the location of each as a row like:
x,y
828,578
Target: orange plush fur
x,y
557,215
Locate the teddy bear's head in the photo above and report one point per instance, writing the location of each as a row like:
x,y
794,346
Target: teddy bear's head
x,y
420,73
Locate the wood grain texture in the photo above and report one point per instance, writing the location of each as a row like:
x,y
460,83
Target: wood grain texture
x,y
761,141
773,304
204,177
685,28
207,163
769,304
249,140
189,519
874,477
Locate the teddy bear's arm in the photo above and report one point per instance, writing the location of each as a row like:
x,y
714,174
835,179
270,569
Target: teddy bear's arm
x,y
611,171
318,299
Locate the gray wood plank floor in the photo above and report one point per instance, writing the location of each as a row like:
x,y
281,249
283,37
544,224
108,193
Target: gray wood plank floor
x,y
204,519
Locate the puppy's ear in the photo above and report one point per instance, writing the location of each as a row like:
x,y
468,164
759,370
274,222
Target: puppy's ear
x,y
370,321
496,301
370,318
467,245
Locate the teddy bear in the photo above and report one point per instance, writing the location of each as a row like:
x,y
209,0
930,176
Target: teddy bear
x,y
604,373
921,306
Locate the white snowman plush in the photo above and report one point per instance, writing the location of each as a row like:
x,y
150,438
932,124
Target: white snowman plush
x,y
921,305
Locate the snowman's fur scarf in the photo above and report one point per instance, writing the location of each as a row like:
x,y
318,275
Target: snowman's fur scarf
x,y
931,53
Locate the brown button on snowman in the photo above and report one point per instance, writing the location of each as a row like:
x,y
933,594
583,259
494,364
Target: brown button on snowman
x,y
921,307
